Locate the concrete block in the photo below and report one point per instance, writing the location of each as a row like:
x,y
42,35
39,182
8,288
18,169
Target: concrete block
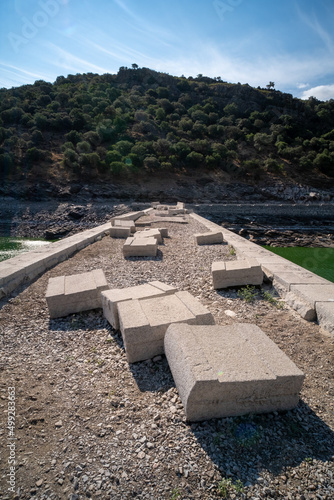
x,y
125,223
176,211
155,204
148,233
223,371
163,231
148,211
302,307
79,292
140,247
143,322
209,238
181,205
236,273
325,315
110,298
130,216
120,232
314,293
298,278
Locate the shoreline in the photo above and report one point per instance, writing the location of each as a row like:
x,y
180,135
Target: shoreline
x,y
273,224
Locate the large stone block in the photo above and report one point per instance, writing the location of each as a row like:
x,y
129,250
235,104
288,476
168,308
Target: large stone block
x,y
236,273
140,247
125,223
325,314
314,293
79,292
222,371
120,232
149,233
209,238
298,278
110,298
143,323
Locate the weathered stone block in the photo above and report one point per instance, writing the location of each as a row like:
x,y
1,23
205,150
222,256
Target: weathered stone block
x,y
79,292
110,298
143,323
303,308
120,232
209,238
140,247
222,371
236,273
314,293
148,233
125,223
325,314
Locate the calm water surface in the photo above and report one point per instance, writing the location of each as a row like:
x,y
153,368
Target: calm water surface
x,y
318,260
10,247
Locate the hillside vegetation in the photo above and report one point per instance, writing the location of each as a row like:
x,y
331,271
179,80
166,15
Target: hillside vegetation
x,y
140,123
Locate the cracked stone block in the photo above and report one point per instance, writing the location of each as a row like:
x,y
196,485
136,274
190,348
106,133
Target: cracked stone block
x,y
236,273
140,247
209,238
110,298
78,292
302,307
223,371
143,322
314,293
120,232
149,233
125,223
325,315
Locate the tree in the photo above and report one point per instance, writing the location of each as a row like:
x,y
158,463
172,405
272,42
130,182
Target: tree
x,y
271,86
134,66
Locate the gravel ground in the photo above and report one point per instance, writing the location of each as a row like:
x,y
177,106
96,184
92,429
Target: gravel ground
x,y
89,425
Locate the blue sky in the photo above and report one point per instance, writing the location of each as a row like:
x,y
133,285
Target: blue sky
x,y
289,42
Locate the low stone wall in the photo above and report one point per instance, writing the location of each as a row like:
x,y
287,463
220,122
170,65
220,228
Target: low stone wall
x,y
27,266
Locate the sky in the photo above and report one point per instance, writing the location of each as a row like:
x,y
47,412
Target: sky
x,y
288,42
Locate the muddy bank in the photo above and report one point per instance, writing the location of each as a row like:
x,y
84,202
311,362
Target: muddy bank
x,y
274,224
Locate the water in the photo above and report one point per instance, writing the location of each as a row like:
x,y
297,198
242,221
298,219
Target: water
x,y
318,260
10,246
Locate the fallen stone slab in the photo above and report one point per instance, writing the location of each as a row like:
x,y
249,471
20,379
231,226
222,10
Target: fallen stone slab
x,y
130,216
125,223
236,273
149,233
325,315
209,238
140,247
110,298
120,232
143,323
223,371
72,294
176,220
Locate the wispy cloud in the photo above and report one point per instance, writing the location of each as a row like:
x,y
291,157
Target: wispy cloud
x,y
322,92
311,20
11,75
66,60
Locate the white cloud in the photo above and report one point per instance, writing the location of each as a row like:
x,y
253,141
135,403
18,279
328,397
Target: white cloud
x,y
314,24
322,92
66,60
302,85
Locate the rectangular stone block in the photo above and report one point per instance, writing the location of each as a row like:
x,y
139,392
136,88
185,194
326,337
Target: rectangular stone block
x,y
120,232
140,247
143,322
314,293
325,315
148,233
223,371
125,223
298,278
79,292
209,238
236,273
110,298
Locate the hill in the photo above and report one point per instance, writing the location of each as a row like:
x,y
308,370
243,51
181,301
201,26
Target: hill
x,y
143,127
